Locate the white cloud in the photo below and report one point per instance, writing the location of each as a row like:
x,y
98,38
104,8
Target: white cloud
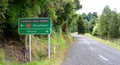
x,y
98,5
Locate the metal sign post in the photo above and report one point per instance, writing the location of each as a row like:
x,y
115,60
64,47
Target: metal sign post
x,y
26,41
30,47
49,46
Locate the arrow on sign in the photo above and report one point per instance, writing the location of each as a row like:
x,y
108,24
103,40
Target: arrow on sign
x,y
21,25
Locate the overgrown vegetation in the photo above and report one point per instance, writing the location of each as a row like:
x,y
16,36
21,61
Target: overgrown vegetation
x,y
89,21
109,24
39,51
106,25
80,26
61,12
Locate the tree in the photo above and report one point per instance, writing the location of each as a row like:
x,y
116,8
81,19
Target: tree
x,y
73,24
81,27
95,14
103,22
85,17
90,21
113,28
60,11
77,4
108,24
66,10
3,8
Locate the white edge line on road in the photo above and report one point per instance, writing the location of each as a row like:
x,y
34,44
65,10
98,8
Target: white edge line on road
x,y
86,42
91,48
103,58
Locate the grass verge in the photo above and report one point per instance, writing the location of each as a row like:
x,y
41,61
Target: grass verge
x,y
40,49
62,42
115,44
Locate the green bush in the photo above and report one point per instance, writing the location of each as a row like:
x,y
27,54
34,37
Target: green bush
x,y
2,54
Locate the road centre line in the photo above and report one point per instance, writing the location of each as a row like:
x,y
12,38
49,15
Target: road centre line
x,y
87,43
103,58
91,48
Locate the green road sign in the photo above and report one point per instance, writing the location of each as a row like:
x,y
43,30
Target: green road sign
x,y
34,25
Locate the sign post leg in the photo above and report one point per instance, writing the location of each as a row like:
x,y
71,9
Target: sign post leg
x,y
30,47
48,46
26,38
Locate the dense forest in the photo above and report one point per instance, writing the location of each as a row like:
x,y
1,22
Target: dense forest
x,y
61,12
106,25
12,45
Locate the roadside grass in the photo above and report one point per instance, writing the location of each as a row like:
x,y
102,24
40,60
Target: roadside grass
x,y
114,43
2,62
56,59
39,48
62,43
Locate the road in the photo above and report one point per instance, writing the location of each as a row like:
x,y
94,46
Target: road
x,y
87,51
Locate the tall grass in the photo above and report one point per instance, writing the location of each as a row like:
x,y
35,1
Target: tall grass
x,y
61,42
40,50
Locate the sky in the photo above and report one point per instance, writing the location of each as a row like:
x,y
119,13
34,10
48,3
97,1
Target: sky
x,y
98,5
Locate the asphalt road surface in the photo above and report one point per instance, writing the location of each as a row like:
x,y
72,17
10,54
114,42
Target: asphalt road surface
x,y
87,51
